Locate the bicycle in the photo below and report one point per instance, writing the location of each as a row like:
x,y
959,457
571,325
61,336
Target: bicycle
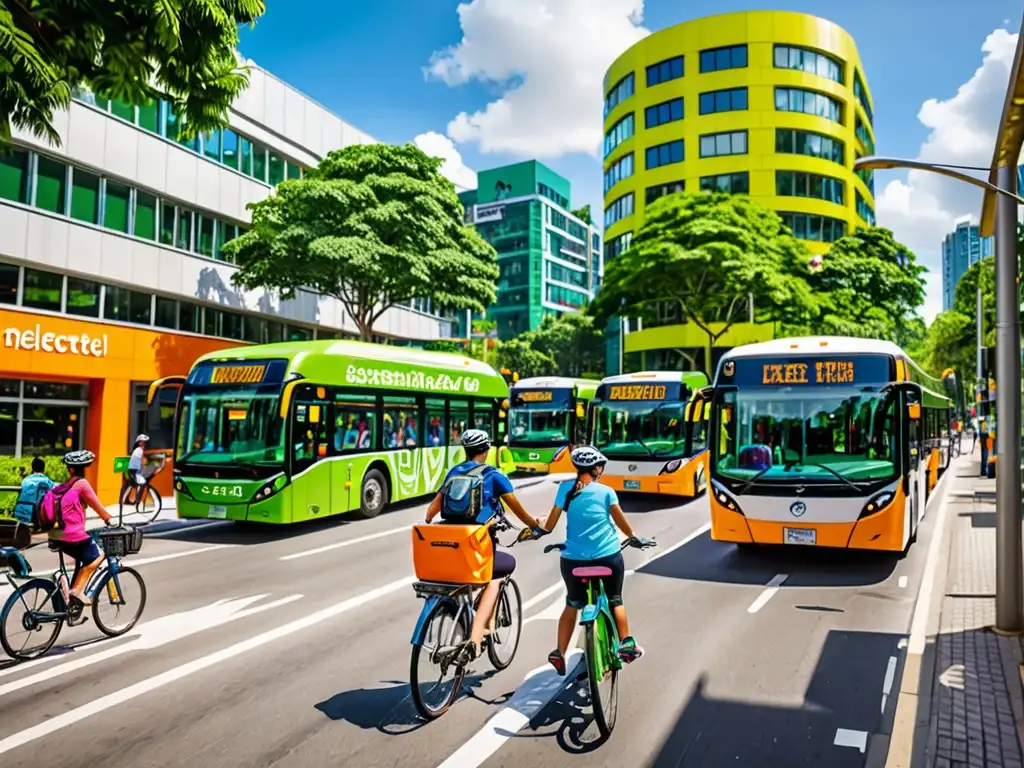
x,y
111,576
601,640
444,625
146,499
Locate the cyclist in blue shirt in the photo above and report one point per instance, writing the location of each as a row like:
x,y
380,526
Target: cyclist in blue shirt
x,y
33,488
592,514
497,488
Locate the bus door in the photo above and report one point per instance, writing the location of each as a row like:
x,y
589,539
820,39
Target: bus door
x,y
916,484
308,443
159,420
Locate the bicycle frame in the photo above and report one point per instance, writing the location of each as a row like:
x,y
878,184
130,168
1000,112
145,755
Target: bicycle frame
x,y
595,608
109,565
465,597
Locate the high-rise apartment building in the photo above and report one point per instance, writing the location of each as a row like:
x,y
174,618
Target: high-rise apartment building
x,y
962,247
549,257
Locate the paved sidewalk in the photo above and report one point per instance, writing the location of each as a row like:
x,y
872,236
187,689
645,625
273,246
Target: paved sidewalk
x,y
970,686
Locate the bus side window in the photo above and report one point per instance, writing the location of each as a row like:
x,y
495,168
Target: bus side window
x,y
355,423
310,427
483,417
698,426
401,423
435,423
458,421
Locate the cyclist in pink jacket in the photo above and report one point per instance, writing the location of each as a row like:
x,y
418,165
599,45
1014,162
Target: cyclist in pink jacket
x,y
74,495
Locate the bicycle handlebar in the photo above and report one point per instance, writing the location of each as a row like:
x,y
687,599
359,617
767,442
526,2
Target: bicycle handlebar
x,y
632,541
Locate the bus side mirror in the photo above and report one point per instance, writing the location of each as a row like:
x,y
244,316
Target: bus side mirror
x,y
914,411
581,412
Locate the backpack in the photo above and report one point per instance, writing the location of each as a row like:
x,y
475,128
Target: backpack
x,y
48,514
33,489
462,495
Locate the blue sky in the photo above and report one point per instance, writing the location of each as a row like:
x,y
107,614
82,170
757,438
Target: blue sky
x,y
366,63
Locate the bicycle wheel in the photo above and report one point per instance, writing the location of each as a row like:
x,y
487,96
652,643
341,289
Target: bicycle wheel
x,y
430,665
148,503
602,674
508,625
117,599
18,626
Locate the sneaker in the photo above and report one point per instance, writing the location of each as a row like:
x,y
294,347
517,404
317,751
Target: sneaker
x,y
629,651
557,660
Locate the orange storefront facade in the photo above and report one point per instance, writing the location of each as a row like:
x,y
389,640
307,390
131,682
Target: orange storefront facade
x,y
69,384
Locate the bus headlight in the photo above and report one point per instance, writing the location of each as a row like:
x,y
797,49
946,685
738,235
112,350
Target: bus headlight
x,y
878,502
725,499
270,487
671,467
180,486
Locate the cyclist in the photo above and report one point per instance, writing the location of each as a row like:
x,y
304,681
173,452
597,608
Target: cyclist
x,y
137,459
497,488
73,495
592,514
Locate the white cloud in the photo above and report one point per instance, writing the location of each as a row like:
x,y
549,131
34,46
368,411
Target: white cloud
x,y
548,58
456,171
923,210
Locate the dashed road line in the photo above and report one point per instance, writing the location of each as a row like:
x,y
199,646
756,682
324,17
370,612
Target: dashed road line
x,y
346,543
902,582
890,677
855,739
772,587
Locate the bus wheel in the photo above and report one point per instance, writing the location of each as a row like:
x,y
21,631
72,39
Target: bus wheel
x,y
373,496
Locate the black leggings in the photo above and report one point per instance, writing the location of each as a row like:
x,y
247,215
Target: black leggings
x,y
576,590
504,565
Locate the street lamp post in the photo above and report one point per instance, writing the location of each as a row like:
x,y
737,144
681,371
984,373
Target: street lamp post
x,y
1009,560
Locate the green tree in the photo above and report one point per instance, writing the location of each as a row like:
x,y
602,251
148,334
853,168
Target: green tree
x,y
706,254
446,345
520,356
374,226
583,214
869,285
965,300
572,341
129,50
950,343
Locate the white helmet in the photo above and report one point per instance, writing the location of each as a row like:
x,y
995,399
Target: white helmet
x,y
476,440
586,457
143,438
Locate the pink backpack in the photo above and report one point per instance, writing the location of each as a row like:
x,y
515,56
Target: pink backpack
x,y
50,511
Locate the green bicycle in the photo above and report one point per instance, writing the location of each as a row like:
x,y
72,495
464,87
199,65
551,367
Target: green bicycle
x,y
601,640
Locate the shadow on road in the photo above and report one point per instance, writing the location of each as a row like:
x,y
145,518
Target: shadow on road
x,y
568,719
705,560
845,691
633,503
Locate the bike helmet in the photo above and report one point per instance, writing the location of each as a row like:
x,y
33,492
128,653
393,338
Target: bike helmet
x,y
79,458
586,457
476,440
143,438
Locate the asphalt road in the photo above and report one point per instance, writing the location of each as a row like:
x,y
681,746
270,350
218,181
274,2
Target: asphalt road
x,y
290,647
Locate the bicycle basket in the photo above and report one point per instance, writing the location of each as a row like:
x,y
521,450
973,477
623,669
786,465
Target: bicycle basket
x,y
118,542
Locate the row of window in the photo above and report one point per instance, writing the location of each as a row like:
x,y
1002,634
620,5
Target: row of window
x,y
721,144
794,142
666,112
800,184
50,185
619,209
864,209
806,60
864,135
561,274
619,92
226,147
660,190
809,103
729,100
78,297
618,133
664,154
731,183
565,297
861,93
617,246
621,169
716,59
806,226
663,71
545,191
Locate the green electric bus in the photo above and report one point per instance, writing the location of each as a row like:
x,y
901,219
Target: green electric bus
x,y
547,418
282,433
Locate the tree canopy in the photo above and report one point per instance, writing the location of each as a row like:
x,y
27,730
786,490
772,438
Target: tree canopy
x,y
129,50
706,253
373,226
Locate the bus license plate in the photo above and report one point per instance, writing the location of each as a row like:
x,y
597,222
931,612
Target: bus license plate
x,y
218,513
631,485
800,536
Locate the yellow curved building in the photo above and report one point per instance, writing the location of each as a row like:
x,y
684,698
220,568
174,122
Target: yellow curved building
x,y
769,103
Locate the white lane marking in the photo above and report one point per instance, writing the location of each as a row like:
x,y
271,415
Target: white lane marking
x,y
890,678
103,703
856,739
347,543
699,532
919,624
190,527
764,597
552,612
148,635
541,596
901,644
902,582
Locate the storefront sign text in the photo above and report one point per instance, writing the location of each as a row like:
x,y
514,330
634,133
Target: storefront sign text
x,y
38,340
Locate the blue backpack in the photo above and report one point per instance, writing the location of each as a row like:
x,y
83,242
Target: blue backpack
x,y
33,489
462,495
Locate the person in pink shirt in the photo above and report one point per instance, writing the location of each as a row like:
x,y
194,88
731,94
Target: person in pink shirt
x,y
72,538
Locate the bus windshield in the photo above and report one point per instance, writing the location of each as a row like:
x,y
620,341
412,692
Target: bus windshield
x,y
821,433
544,421
630,429
241,426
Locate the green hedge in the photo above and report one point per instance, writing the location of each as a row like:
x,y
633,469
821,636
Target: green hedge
x,y
13,470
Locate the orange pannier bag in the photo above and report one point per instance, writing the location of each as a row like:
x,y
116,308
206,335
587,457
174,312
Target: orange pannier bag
x,y
457,554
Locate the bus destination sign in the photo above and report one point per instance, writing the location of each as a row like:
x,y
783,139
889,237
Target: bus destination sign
x,y
535,396
237,374
637,392
814,372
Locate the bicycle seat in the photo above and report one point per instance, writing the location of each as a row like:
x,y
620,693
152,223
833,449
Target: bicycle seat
x,y
592,571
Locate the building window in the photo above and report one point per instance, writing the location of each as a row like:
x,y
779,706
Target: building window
x,y
127,306
663,71
167,210
85,196
277,169
864,209
619,209
565,297
83,298
809,103
116,202
545,191
42,290
720,144
799,184
792,142
823,229
864,135
731,183
205,236
730,57
806,60
183,232
862,96
621,169
8,284
729,100
664,154
666,112
259,163
166,313
149,116
14,174
653,193
51,185
619,132
621,91
144,221
617,246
